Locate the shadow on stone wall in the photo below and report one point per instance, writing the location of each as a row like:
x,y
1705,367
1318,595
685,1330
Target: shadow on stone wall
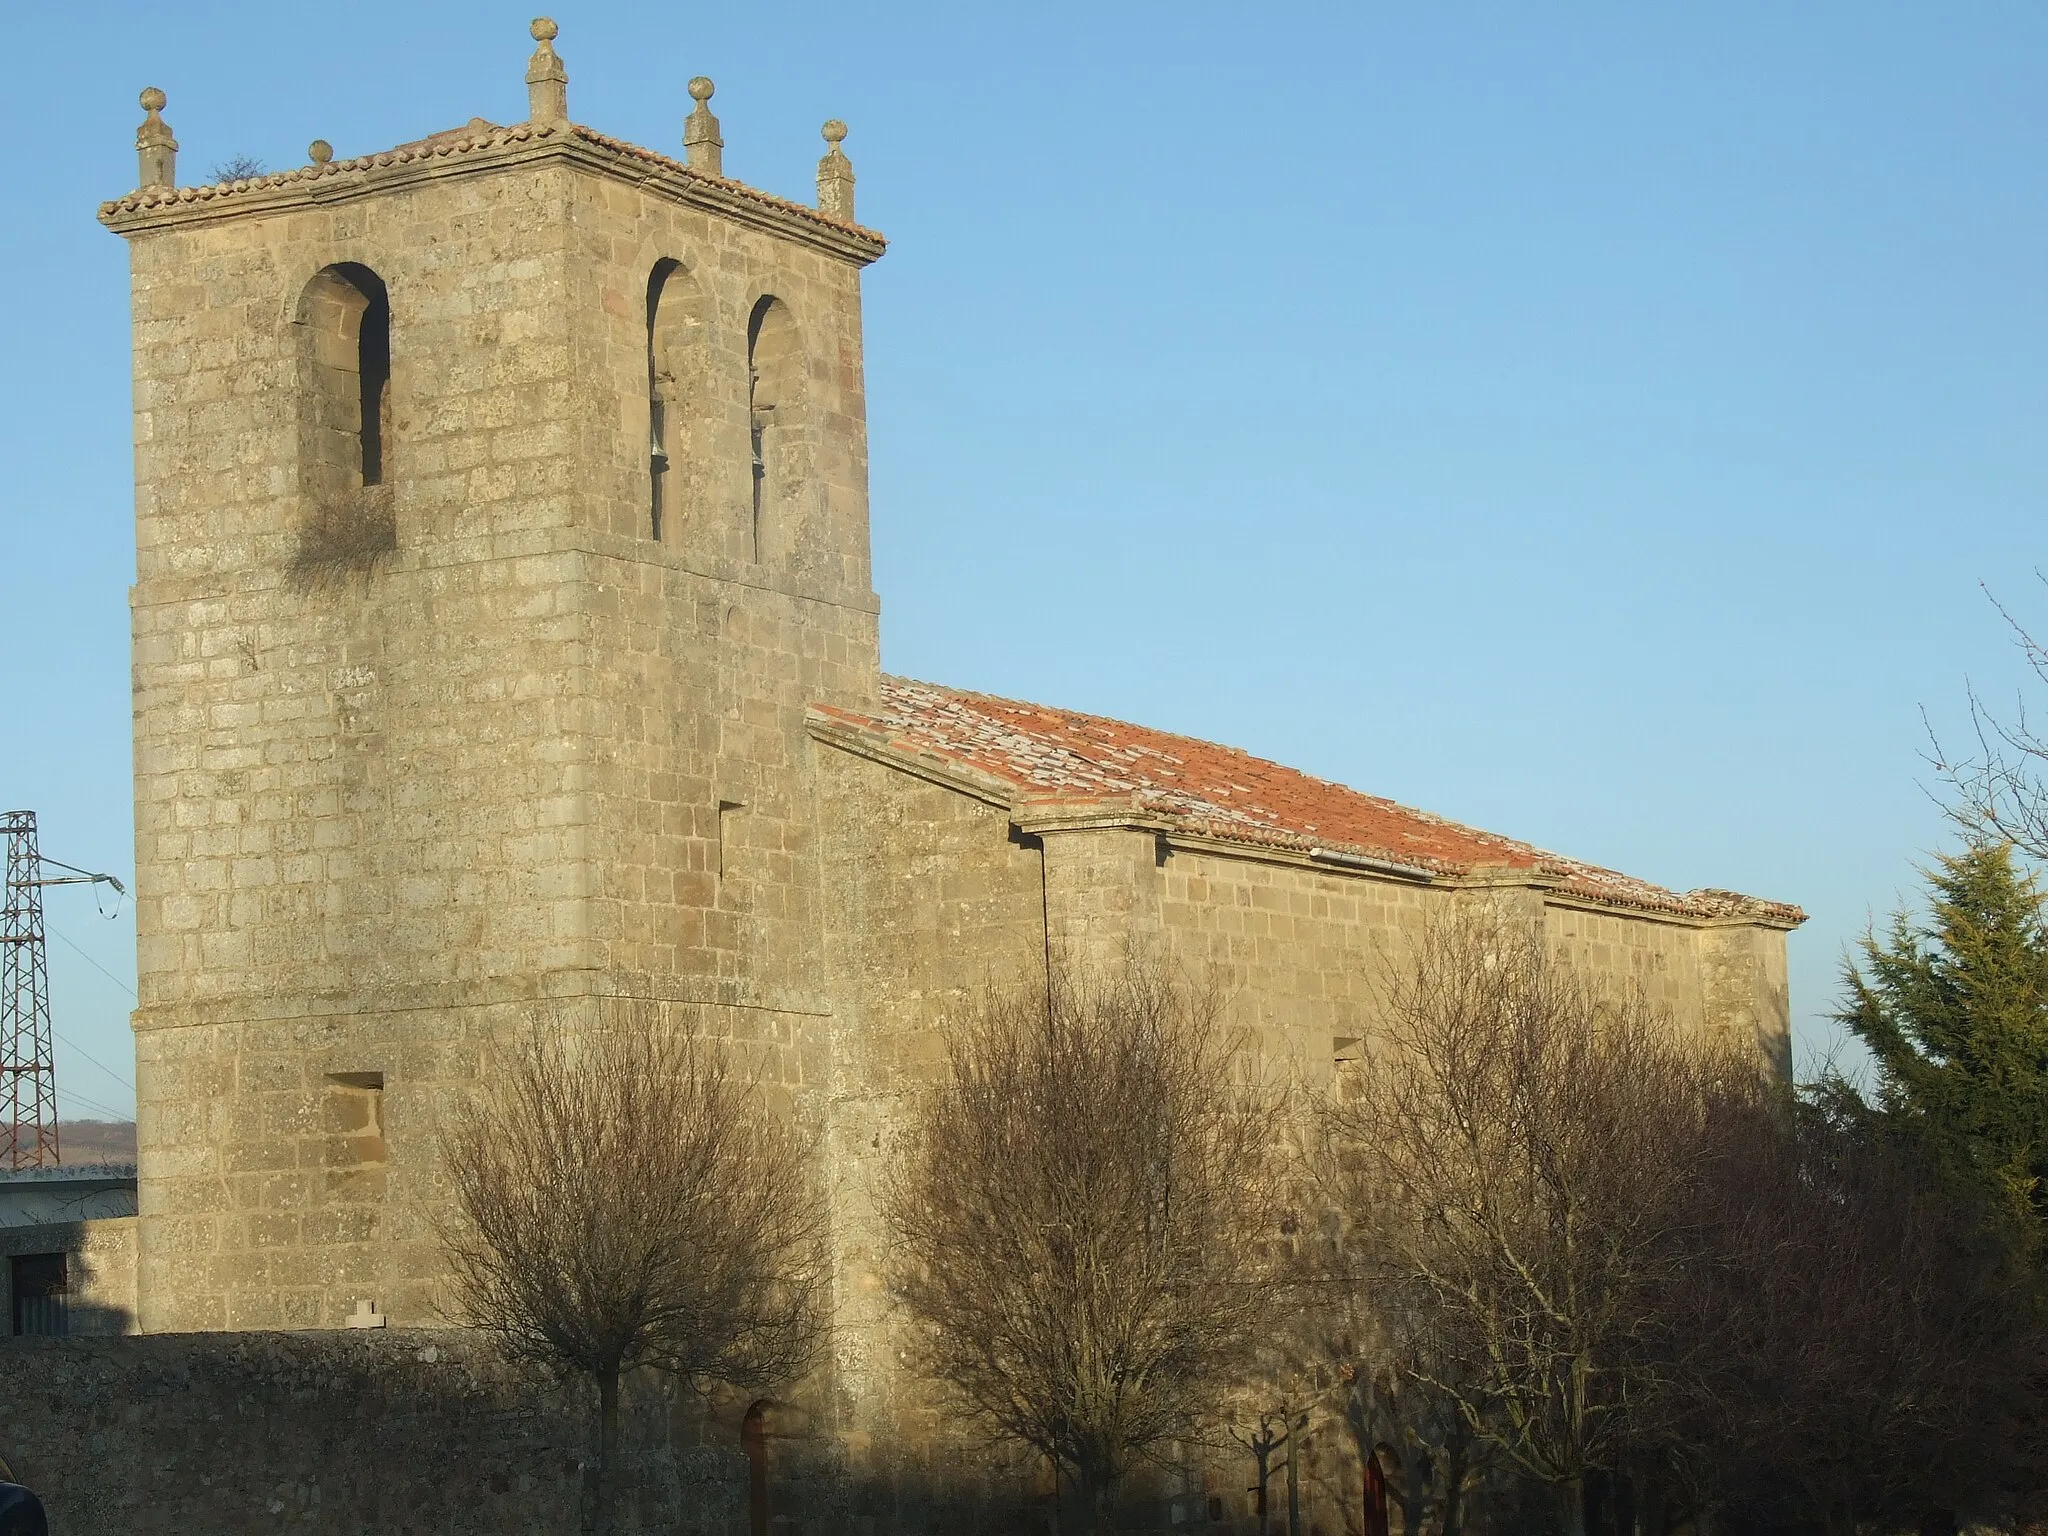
x,y
408,1432
398,1432
90,1320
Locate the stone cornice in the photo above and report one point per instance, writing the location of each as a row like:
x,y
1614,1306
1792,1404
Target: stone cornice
x,y
554,987
171,588
1040,817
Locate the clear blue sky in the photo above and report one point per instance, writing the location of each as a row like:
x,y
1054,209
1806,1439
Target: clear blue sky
x,y
1591,422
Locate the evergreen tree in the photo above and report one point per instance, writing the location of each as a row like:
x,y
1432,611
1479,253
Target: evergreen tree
x,y
1956,1015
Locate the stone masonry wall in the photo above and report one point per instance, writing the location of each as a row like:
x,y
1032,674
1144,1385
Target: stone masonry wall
x,y
532,758
336,1434
713,639
929,901
407,1432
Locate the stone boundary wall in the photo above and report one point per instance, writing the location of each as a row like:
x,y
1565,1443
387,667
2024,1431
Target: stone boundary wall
x,y
402,1432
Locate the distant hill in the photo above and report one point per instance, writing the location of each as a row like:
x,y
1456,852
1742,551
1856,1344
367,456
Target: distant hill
x,y
96,1141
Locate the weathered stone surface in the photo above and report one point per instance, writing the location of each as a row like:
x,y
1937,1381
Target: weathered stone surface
x,y
532,753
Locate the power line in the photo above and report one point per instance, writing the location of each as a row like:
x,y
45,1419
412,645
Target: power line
x,y
117,981
79,1050
70,1097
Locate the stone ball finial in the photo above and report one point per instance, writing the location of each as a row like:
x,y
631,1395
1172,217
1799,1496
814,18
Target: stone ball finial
x,y
547,78
156,150
321,151
702,146
835,175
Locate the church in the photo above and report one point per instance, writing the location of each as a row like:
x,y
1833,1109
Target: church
x,y
505,642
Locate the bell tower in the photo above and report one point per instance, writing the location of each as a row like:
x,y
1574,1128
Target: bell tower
x,y
500,507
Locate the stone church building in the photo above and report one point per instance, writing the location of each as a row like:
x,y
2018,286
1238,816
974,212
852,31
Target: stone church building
x,y
504,640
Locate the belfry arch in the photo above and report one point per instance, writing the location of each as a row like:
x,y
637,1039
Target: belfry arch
x,y
344,317
343,343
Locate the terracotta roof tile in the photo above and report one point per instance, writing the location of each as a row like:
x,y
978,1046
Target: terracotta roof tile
x,y
454,141
1054,755
753,194
473,136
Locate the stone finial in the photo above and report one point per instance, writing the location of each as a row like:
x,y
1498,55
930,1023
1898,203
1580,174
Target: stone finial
x,y
702,146
321,151
155,150
547,81
835,176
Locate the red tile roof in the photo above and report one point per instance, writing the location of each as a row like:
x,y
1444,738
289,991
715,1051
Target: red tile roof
x,y
1044,756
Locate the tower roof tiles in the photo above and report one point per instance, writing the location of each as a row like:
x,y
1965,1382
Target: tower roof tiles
x,y
477,138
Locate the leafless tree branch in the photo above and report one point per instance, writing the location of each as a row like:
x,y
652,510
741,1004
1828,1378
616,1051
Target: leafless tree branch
x,y
1998,787
1511,1174
1084,1216
626,1198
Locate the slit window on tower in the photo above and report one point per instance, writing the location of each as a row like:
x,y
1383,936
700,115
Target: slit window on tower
x,y
774,382
660,400
374,373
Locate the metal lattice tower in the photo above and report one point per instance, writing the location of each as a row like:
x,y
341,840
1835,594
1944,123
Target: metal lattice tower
x,y
28,1070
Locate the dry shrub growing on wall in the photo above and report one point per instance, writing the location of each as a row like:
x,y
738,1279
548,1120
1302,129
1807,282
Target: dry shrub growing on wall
x,y
1084,1215
627,1197
344,535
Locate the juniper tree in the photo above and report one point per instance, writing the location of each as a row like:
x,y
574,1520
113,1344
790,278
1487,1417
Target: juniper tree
x,y
1955,1013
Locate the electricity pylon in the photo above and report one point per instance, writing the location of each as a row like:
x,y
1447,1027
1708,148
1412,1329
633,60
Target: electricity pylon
x,y
28,1067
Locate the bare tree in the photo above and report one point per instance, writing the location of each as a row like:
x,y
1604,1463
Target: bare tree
x,y
1377,1365
1274,1430
625,1198
238,168
1512,1172
1083,1215
1998,786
